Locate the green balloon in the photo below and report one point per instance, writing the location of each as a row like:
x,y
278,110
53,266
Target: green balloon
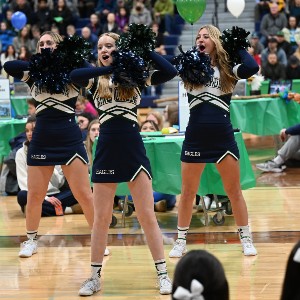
x,y
191,10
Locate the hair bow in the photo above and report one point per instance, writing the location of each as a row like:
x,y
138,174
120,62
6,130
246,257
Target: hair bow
x,y
195,293
296,257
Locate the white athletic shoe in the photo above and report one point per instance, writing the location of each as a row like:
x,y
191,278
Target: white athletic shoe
x,y
179,248
248,247
165,285
28,248
106,252
89,287
271,166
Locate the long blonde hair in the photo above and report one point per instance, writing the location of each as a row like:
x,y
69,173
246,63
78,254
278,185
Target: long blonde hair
x,y
103,84
221,59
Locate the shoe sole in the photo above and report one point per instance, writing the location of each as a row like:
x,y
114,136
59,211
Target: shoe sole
x,y
82,294
26,256
272,171
177,256
165,292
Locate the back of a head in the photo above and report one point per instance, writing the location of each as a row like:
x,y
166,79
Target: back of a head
x,y
206,269
291,287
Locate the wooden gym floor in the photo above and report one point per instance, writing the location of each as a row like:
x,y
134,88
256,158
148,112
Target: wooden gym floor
x,y
63,259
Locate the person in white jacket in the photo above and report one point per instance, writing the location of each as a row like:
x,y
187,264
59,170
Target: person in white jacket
x,y
59,199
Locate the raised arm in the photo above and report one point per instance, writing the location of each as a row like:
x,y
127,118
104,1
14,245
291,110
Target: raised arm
x,y
16,68
248,67
165,70
81,76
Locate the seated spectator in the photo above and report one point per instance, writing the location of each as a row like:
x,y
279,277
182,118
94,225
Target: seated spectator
x,y
23,6
273,48
273,69
86,8
171,114
59,199
292,32
156,117
291,287
71,30
103,8
111,25
163,13
24,54
261,8
83,105
122,18
283,44
8,55
199,275
149,126
294,9
159,40
36,33
271,23
92,39
140,14
92,132
290,150
84,120
23,39
6,36
94,25
42,16
293,68
31,106
62,16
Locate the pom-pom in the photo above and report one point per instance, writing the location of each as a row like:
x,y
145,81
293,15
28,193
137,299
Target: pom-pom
x,y
50,69
129,70
233,40
139,39
193,67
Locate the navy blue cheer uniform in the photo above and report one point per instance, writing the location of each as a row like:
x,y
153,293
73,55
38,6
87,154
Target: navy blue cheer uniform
x,y
120,153
57,139
209,136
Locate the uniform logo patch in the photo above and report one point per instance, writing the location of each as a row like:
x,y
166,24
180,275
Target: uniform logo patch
x,y
191,153
105,172
38,156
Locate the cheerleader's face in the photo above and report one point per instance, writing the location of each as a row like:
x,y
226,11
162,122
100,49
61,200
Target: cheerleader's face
x,y
46,41
29,130
204,43
106,45
94,131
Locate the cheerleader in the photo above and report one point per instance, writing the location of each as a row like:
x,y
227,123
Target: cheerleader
x,y
56,140
121,157
209,137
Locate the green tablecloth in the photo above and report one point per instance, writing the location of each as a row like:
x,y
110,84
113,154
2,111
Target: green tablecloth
x,y
264,116
19,105
8,130
164,156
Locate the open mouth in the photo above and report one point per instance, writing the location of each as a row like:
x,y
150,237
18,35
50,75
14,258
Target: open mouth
x,y
105,57
201,48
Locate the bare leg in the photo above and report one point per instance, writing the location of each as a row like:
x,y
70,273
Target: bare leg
x,y
191,173
142,194
230,173
38,180
78,179
103,206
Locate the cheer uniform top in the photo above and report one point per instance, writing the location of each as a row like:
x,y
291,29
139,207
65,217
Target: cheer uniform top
x,y
209,136
57,139
120,153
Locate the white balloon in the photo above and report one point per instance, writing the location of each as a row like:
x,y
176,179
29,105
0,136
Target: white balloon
x,y
236,7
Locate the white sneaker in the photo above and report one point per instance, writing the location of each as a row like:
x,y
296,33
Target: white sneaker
x,y
89,287
179,249
28,248
106,252
165,285
271,166
248,247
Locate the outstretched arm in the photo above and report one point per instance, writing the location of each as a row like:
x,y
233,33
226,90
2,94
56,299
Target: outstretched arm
x,y
81,76
165,72
16,68
248,67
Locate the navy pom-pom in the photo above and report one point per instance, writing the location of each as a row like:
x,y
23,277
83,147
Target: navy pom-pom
x,y
129,69
233,40
50,69
193,67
